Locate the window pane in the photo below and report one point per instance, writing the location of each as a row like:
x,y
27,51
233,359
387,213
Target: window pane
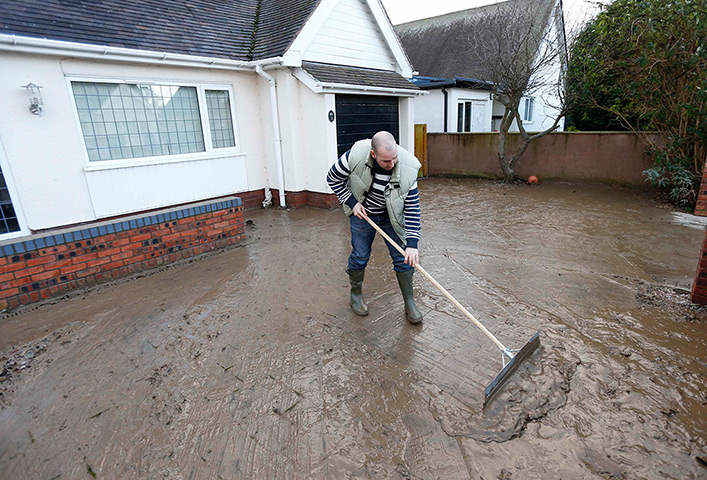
x,y
8,218
130,120
467,116
460,117
218,106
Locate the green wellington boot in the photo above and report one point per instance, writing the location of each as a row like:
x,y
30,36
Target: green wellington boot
x,y
358,304
405,281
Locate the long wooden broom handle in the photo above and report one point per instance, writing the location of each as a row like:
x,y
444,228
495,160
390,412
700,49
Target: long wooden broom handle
x,y
441,288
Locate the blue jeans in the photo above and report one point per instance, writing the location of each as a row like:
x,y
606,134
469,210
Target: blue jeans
x,y
362,236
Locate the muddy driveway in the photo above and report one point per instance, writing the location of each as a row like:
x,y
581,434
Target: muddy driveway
x,y
249,364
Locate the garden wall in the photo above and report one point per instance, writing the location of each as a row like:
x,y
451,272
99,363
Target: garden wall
x,y
612,157
49,264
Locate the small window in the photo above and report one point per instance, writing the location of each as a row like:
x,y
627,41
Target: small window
x,y
8,217
125,121
220,121
464,117
528,109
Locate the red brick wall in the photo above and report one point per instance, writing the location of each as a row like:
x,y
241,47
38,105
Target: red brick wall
x,y
701,207
42,266
699,286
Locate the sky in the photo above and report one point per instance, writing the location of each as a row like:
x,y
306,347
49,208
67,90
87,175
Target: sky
x,y
401,11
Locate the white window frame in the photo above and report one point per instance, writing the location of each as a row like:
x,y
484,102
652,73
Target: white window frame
x,y
464,101
14,197
209,152
531,101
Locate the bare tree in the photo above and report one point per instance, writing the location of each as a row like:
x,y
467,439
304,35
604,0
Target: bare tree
x,y
520,47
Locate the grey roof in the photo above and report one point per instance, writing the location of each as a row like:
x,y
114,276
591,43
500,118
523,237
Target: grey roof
x,y
446,46
231,29
366,77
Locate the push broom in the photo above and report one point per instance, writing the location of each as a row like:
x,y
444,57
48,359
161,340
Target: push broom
x,y
511,359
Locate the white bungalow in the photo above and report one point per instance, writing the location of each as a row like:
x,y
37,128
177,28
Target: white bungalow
x,y
123,106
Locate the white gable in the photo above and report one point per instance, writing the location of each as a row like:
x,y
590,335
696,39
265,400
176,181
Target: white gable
x,y
350,35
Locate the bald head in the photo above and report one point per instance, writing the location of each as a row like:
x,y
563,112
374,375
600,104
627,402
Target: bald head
x,y
384,142
384,150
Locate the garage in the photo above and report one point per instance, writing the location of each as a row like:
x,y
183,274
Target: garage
x,y
361,116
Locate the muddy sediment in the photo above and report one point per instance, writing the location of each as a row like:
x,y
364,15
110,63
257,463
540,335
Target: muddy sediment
x,y
249,363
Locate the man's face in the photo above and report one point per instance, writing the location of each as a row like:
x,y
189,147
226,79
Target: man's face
x,y
385,159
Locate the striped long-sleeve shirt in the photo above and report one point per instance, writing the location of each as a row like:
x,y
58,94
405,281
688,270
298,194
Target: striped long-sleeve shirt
x,y
338,177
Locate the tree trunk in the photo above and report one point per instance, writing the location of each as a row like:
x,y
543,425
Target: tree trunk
x,y
506,166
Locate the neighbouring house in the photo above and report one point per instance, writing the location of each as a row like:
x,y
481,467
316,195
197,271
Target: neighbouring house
x,y
134,132
458,77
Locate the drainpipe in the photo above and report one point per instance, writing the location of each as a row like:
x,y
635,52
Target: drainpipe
x,y
278,141
444,91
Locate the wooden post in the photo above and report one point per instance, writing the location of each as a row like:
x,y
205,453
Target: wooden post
x,y
421,146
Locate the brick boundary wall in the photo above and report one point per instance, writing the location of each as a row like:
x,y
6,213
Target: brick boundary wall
x,y
699,285
47,265
304,198
701,206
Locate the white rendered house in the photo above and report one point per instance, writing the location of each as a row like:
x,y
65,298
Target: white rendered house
x,y
459,84
150,104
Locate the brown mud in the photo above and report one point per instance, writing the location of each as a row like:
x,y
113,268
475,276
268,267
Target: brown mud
x,y
249,363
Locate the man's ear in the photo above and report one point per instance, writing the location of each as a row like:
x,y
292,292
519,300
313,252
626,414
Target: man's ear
x,y
373,153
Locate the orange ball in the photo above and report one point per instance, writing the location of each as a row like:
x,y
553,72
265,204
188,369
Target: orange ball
x,y
532,180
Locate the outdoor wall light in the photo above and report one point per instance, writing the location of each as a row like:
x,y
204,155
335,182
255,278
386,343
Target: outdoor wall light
x,y
35,98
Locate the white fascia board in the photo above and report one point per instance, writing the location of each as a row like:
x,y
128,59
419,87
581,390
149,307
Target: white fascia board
x,y
331,87
404,66
41,46
308,80
293,55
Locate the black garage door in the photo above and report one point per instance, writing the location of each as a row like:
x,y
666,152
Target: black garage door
x,y
360,116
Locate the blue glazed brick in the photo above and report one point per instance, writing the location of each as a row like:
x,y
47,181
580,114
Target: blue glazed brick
x,y
160,218
30,245
40,243
50,241
202,209
118,227
148,221
172,215
133,224
86,233
102,230
190,212
7,250
77,235
140,222
68,237
19,248
238,202
94,232
110,228
180,213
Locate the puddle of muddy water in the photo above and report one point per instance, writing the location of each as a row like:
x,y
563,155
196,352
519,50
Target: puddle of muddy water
x,y
249,364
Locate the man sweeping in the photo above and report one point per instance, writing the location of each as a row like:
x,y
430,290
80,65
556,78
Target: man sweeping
x,y
377,179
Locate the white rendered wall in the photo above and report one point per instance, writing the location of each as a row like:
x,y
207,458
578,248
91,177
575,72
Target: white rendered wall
x,y
429,109
406,117
47,157
351,36
482,107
